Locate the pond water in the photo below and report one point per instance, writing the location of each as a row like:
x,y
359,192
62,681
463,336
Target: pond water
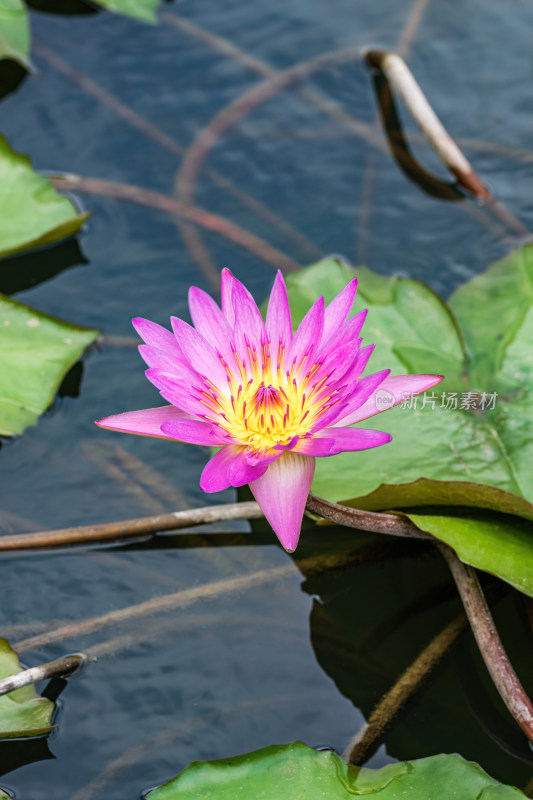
x,y
303,657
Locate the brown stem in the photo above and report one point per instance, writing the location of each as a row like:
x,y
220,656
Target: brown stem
x,y
365,520
154,133
366,739
208,220
129,528
394,68
497,662
52,669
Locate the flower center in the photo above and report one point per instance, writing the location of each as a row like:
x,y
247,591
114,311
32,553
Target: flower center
x,y
269,402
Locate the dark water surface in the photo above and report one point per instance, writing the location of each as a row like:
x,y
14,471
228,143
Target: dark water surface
x,y
247,670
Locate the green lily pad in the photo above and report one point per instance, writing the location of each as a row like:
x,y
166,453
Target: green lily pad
x,y
295,771
36,351
469,442
32,213
14,32
23,712
140,9
497,543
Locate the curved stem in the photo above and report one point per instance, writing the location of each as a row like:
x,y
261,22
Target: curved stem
x,y
365,520
396,71
497,662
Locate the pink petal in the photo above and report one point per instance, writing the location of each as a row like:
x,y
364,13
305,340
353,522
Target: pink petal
x,y
193,431
215,475
249,325
200,354
156,336
278,318
211,324
146,422
240,471
282,494
337,311
226,292
178,390
331,441
347,332
364,388
160,359
392,391
309,333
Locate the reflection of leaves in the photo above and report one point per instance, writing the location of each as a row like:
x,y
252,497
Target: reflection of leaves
x,y
32,213
14,31
293,771
36,351
11,76
415,331
17,753
370,622
70,7
24,271
23,712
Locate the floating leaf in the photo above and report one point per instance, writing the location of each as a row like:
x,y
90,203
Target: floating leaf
x,y
295,771
14,32
140,9
36,351
32,213
23,712
475,430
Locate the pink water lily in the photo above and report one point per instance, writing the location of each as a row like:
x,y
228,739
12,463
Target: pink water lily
x,y
270,399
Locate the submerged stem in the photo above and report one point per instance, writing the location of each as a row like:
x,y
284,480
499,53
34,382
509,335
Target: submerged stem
x,y
360,747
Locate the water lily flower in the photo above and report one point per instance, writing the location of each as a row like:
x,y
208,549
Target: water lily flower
x,y
270,399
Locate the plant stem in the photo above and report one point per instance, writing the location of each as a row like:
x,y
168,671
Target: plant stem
x,y
129,528
52,669
496,660
360,747
396,71
373,521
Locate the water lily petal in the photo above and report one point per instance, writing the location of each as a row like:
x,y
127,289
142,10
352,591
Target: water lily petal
x,y
249,325
215,478
240,471
157,336
200,354
347,332
226,292
337,311
356,397
161,359
331,441
146,422
282,494
211,323
392,391
309,333
178,389
192,431
278,318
